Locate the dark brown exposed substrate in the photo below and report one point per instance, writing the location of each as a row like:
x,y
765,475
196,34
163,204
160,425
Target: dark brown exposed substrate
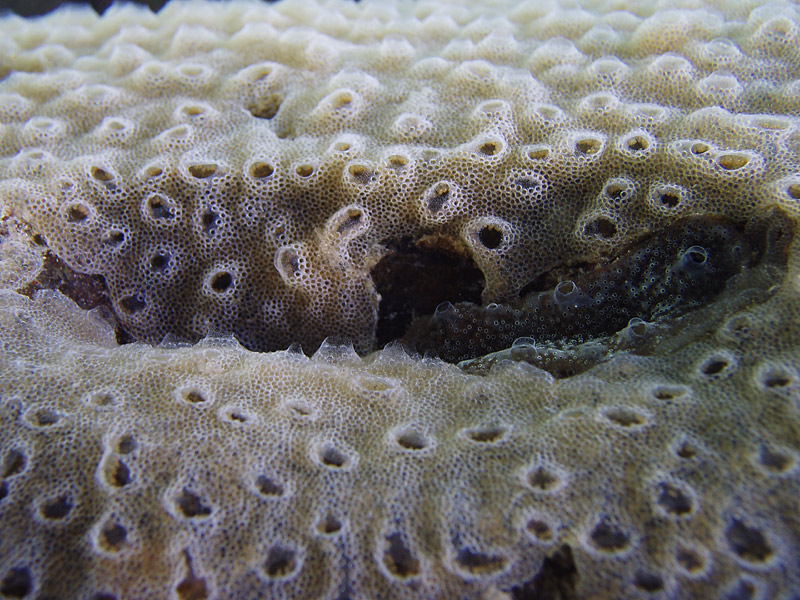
x,y
667,274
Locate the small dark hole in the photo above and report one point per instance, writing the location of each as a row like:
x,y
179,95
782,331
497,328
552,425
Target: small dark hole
x,y
13,463
669,200
489,148
100,174
127,444
412,440
360,173
16,583
714,366
668,392
114,537
114,237
238,417
648,582
673,500
329,525
77,213
3,489
777,380
615,192
637,143
774,460
268,486
118,474
202,171
540,530
210,222
686,451
478,562
542,479
57,508
104,596
280,562
194,397
159,209
749,543
332,457
609,538
690,560
260,170
221,282
588,146
159,261
436,201
491,237
603,227
487,435
267,107
45,417
352,220
624,417
398,559
191,505
131,305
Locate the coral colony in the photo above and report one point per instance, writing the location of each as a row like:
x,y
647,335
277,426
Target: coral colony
x,y
394,299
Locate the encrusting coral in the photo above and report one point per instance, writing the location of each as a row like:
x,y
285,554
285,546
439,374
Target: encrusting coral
x,y
213,219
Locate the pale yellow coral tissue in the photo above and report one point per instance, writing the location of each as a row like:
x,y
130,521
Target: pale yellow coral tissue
x,y
219,182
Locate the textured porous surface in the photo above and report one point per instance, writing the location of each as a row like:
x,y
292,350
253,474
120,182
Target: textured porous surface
x,y
593,206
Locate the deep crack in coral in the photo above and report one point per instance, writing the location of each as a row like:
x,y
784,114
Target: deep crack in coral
x,y
590,207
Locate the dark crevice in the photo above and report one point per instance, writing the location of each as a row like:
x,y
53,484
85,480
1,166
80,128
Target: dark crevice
x,y
87,291
416,276
557,579
660,277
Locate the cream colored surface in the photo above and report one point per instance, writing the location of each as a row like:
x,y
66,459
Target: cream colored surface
x,y
312,133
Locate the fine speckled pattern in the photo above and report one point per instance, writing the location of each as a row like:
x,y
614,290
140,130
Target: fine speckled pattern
x,y
213,218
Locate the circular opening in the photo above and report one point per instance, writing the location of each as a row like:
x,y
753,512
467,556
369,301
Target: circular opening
x,y
77,213
114,237
669,199
538,153
588,146
566,289
490,236
412,440
193,110
699,148
638,143
115,125
159,261
151,172
731,162
342,99
304,170
794,191
221,282
202,171
397,161
602,227
696,255
159,208
637,327
332,457
489,148
259,170
130,305
714,366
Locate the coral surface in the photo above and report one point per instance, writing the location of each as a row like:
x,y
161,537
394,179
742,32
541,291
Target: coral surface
x,y
401,299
